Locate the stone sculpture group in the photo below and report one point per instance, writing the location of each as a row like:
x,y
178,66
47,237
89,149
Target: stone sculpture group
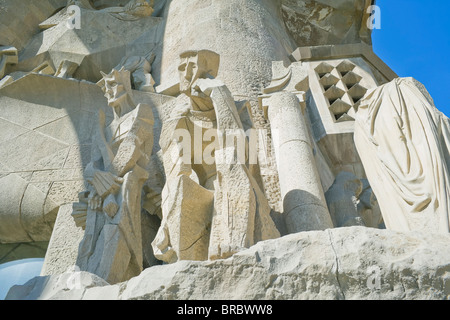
x,y
213,210
169,172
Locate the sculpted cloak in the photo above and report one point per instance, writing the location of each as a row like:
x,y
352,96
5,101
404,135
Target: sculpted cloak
x,y
403,142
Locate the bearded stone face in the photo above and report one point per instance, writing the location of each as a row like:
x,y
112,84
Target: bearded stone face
x,y
194,65
189,71
116,86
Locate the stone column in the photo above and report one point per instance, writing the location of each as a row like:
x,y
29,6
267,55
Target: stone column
x,y
304,202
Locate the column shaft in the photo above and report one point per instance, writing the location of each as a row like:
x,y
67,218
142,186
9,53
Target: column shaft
x,y
304,202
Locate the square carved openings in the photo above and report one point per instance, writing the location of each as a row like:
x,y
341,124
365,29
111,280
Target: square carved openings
x,y
342,88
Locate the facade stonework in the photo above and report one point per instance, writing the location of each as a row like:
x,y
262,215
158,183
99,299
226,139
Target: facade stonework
x,y
159,141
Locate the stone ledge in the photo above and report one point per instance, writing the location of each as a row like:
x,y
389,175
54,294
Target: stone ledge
x,y
362,49
343,263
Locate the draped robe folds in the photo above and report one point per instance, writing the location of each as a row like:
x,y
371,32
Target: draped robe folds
x,y
403,142
210,211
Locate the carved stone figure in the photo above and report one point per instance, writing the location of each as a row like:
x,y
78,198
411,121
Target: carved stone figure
x,y
342,200
351,202
173,176
210,208
403,142
112,244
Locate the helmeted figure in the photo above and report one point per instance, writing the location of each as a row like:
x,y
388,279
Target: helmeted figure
x,y
112,243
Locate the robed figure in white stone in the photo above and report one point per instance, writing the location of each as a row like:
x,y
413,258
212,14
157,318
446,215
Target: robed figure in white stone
x,y
404,143
211,204
112,243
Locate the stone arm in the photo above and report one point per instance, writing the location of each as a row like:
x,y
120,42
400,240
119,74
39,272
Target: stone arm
x,y
105,172
137,145
96,165
90,197
127,156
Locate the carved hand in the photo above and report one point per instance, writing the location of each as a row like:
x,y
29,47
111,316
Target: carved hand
x,y
105,183
94,201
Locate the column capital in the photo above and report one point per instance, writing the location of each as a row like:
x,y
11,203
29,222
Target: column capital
x,y
264,100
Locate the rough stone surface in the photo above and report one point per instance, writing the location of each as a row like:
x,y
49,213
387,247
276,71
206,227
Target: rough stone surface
x,y
13,13
234,30
95,47
342,263
63,246
308,21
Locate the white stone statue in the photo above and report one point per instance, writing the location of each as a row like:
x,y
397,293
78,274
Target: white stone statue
x,y
210,208
404,143
112,243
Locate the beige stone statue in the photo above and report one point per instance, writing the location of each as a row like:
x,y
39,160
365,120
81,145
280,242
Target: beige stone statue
x,y
112,244
404,143
210,208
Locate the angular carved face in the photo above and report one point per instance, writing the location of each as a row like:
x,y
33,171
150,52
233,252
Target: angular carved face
x,y
116,86
189,71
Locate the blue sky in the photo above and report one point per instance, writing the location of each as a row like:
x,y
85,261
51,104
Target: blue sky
x,y
414,40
